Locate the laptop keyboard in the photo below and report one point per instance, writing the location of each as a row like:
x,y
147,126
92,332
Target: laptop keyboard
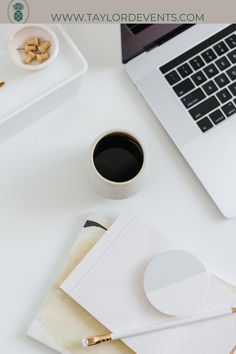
x,y
204,79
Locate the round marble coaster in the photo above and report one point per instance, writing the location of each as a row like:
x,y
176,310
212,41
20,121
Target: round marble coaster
x,y
176,283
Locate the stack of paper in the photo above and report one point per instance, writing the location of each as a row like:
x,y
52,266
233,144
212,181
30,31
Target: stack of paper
x,y
108,283
61,323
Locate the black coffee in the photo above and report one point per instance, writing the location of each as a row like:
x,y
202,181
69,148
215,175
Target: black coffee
x,y
118,157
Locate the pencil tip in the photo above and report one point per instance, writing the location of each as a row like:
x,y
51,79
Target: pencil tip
x,y
89,341
233,309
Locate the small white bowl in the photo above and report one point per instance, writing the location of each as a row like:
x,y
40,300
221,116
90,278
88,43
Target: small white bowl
x,y
26,32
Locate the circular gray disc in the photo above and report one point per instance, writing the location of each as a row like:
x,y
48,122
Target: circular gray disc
x,y
176,283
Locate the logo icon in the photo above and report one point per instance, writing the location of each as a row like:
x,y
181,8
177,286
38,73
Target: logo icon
x,y
18,11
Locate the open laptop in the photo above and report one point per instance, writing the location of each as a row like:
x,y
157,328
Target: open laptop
x,y
187,75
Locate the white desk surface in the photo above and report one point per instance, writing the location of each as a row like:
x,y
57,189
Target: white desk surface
x,y
43,188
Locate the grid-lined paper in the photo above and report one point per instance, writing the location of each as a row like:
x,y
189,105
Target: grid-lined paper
x,y
109,284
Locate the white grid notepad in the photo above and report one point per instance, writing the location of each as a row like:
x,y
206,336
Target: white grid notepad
x,y
109,284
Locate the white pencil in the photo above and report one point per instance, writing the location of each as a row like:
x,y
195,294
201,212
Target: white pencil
x,y
87,342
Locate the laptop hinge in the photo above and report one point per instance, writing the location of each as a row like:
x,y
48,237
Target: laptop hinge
x,y
167,37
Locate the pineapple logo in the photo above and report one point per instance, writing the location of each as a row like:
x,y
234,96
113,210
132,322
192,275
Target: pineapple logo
x,y
18,15
18,11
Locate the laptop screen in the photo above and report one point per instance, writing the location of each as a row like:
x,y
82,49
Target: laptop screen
x,y
137,38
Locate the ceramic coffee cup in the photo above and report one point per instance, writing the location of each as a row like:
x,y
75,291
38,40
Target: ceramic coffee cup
x,y
116,164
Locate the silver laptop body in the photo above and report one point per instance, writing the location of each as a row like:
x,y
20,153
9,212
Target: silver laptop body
x,y
191,92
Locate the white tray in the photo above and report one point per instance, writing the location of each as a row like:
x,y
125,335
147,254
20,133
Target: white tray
x,y
27,96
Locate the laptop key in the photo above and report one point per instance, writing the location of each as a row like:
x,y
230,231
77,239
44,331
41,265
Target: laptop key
x,y
184,70
205,124
221,48
198,78
204,107
221,80
224,95
222,63
232,73
231,41
183,87
197,63
229,109
193,98
217,116
208,55
232,56
209,87
211,70
202,47
173,77
232,88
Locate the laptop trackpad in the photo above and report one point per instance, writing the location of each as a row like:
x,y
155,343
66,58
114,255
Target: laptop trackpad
x,y
212,156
